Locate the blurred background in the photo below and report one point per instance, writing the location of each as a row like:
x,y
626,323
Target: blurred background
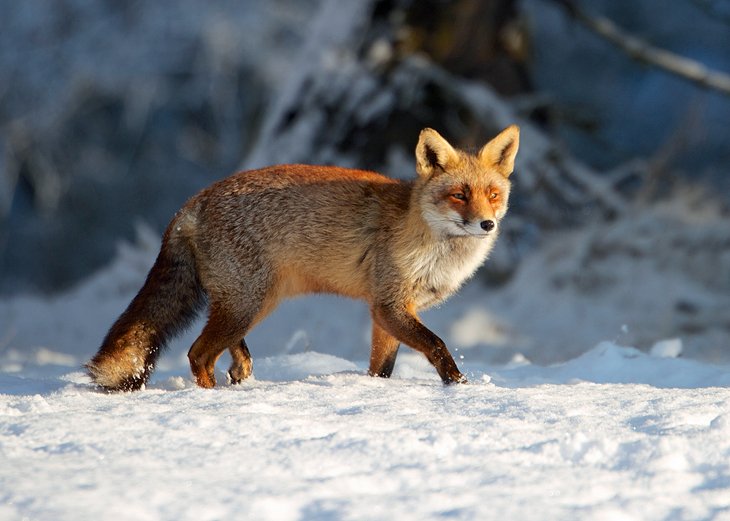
x,y
113,113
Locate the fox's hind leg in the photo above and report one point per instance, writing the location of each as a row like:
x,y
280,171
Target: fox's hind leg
x,y
241,365
230,318
221,332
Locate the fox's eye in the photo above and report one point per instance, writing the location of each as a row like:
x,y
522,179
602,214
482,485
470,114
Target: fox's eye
x,y
494,195
459,196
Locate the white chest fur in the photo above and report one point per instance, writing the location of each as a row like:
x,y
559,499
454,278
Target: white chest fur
x,y
436,271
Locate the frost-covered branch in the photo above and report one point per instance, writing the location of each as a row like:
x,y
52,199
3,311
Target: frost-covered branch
x,y
643,51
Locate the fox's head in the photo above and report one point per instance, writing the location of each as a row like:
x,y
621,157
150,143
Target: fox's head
x,y
462,194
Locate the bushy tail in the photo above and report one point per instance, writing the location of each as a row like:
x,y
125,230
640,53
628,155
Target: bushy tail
x,y
167,303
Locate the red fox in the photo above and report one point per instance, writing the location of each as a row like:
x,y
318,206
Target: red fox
x,y
250,240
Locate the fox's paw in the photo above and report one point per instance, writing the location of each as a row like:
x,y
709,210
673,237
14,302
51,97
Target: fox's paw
x,y
239,372
457,378
204,379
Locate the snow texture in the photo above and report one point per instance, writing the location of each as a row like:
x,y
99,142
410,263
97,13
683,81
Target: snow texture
x,y
613,433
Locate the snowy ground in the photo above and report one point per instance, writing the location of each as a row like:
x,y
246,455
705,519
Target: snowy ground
x,y
345,446
607,432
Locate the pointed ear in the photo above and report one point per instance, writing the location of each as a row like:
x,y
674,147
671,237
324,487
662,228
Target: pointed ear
x,y
500,152
433,152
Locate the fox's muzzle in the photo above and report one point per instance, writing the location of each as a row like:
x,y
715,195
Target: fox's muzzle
x,y
487,225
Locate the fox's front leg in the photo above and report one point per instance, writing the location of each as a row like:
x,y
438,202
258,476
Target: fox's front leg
x,y
402,323
383,352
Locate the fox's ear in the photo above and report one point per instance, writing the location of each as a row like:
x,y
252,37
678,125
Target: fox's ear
x,y
500,152
433,152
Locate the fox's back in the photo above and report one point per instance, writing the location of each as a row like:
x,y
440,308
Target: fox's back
x,y
290,201
313,221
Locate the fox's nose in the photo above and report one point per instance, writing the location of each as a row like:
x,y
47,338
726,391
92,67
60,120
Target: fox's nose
x,y
487,225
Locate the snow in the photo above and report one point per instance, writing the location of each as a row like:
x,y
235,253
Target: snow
x,y
339,445
613,432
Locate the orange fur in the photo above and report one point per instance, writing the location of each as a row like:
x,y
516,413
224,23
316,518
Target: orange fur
x,y
257,237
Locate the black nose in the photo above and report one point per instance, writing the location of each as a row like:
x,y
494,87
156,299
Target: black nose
x,y
487,225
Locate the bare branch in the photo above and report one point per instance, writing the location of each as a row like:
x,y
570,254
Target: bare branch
x,y
641,50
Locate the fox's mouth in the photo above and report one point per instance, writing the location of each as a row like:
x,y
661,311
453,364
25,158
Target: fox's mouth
x,y
466,228
455,226
478,235
469,233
